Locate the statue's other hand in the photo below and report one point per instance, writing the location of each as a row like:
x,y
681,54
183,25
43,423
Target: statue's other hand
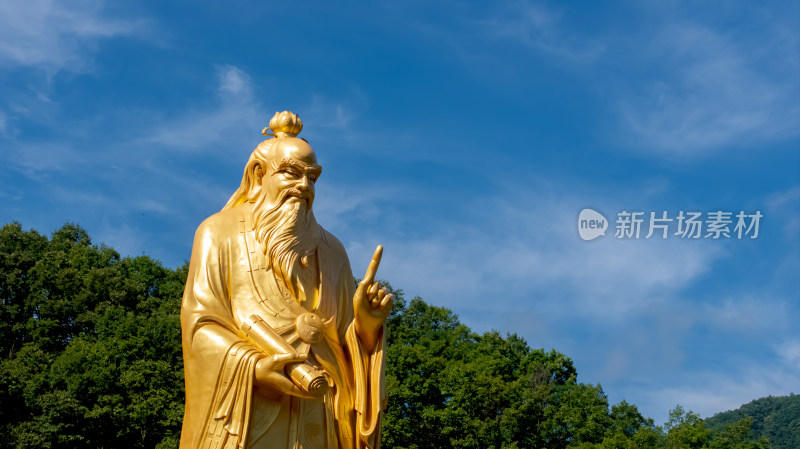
x,y
371,303
269,373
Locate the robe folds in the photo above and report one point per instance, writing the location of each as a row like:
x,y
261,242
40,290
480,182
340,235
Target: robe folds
x,y
229,281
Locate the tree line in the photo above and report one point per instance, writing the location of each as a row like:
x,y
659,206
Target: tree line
x,y
777,418
91,358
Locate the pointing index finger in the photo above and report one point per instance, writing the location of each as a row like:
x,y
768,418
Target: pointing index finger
x,y
373,265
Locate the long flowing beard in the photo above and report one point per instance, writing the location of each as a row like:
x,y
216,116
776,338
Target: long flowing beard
x,y
288,233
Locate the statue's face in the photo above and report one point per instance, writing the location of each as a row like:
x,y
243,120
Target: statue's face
x,y
292,170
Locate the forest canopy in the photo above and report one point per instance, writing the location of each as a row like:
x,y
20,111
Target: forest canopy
x,y
91,358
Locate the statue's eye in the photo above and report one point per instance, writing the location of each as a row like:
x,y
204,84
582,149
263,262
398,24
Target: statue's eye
x,y
290,173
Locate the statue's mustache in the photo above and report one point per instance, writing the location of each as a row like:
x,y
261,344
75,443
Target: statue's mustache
x,y
291,192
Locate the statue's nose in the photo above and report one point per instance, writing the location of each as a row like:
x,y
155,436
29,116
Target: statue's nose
x,y
305,186
304,182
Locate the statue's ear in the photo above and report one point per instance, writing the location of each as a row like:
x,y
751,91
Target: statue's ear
x,y
255,174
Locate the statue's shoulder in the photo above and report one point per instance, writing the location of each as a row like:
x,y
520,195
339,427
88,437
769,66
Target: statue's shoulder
x,y
221,225
332,244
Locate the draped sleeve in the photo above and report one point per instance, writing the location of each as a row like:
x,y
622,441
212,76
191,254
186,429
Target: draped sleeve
x,y
365,380
219,363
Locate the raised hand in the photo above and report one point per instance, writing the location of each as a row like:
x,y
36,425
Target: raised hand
x,y
371,304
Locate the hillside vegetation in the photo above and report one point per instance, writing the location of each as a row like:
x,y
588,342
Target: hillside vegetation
x,y
776,418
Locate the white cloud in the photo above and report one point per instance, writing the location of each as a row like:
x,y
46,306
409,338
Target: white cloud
x,y
33,160
789,352
678,80
158,169
680,87
711,392
745,314
711,89
782,201
539,27
340,121
327,114
625,310
234,83
784,208
55,35
125,239
233,121
512,253
335,205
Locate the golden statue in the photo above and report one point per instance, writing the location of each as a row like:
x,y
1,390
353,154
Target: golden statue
x,y
281,350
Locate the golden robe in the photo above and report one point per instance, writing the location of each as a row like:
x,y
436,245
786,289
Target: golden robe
x,y
229,281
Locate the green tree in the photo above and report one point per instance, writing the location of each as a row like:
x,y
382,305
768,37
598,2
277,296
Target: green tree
x,y
92,343
450,387
685,429
774,418
19,252
626,419
738,435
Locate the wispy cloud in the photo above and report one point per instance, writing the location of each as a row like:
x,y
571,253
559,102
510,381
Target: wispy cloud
x,y
3,122
220,125
680,86
343,121
784,208
539,27
747,314
789,352
233,119
713,391
124,238
784,200
38,159
55,35
170,150
706,87
535,249
328,114
515,262
41,38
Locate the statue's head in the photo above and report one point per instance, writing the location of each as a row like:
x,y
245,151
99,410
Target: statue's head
x,y
280,169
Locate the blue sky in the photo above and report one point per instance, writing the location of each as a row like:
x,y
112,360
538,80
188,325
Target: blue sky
x,y
466,138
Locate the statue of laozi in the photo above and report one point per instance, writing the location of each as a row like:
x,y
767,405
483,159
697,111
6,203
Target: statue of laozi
x,y
281,350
